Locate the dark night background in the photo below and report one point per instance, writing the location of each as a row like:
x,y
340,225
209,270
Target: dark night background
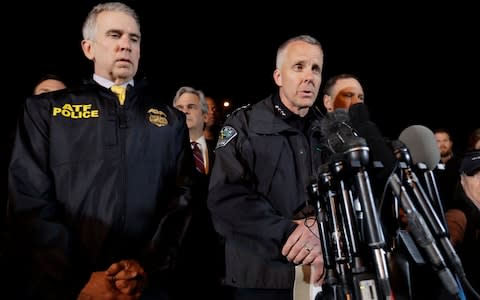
x,y
417,65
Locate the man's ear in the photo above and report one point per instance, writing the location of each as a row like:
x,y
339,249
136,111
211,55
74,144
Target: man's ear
x,y
88,49
328,102
277,77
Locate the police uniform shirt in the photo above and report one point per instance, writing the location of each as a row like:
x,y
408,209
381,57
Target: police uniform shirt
x,y
288,116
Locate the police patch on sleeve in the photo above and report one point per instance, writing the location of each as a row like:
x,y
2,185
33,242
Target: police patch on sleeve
x,y
227,133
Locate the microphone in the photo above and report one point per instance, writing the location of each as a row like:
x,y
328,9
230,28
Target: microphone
x,y
336,130
402,154
343,140
422,145
334,242
425,156
425,150
423,236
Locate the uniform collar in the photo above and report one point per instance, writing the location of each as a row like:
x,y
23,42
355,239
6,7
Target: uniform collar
x,y
280,109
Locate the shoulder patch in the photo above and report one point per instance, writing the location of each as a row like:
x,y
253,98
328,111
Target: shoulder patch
x,y
227,133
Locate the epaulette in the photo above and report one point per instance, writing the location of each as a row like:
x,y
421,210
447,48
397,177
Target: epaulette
x,y
238,109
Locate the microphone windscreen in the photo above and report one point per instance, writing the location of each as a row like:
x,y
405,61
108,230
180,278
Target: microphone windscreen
x,y
334,121
337,133
422,145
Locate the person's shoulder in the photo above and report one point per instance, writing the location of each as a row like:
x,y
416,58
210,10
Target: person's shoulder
x,y
240,110
74,90
46,97
233,124
238,117
79,94
244,112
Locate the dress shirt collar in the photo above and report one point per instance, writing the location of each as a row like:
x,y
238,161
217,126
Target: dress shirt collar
x,y
107,83
203,144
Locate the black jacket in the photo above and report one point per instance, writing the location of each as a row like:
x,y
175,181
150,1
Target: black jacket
x,y
93,182
257,186
469,247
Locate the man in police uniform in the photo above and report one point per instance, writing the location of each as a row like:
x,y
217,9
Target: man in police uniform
x,y
100,182
265,157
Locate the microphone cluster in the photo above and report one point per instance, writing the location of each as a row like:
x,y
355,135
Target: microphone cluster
x,y
349,225
416,150
356,255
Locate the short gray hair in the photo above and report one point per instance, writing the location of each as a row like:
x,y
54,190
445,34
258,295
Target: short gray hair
x,y
90,24
199,93
304,38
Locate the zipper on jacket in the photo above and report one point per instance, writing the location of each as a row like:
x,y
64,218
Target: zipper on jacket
x,y
123,125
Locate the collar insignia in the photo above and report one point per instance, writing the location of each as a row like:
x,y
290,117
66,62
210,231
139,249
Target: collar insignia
x,y
280,111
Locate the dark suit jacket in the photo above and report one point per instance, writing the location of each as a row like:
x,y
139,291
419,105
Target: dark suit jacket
x,y
211,155
202,263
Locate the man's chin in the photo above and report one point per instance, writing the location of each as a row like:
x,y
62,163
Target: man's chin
x,y
124,72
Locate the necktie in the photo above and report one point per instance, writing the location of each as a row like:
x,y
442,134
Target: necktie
x,y
198,157
120,91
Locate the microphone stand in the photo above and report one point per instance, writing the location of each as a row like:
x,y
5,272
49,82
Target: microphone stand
x,y
340,237
364,283
428,212
344,142
357,157
335,256
423,236
433,192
